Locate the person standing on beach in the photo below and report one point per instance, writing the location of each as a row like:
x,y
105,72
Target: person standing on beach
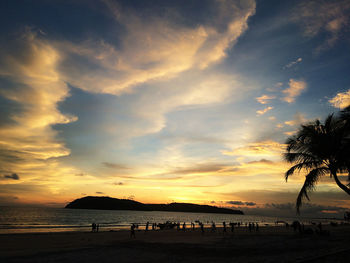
x,y
232,227
184,226
132,231
146,229
224,225
202,227
213,227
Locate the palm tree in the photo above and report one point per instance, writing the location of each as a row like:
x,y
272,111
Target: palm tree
x,y
320,149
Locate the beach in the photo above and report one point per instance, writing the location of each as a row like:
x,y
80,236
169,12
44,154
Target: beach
x,y
269,244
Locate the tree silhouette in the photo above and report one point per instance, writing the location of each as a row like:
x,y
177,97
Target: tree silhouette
x,y
320,149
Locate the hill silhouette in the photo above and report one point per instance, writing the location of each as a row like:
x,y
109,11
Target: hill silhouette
x,y
109,203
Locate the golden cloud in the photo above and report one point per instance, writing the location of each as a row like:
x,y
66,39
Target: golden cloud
x,y
341,100
263,148
295,89
264,99
152,48
261,112
29,139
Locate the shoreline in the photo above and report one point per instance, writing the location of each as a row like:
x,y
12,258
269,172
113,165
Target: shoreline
x,y
270,243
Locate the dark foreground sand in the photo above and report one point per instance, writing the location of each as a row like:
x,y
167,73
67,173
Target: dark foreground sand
x,y
270,244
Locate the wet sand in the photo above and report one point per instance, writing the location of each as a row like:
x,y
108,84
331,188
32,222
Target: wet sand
x,y
269,244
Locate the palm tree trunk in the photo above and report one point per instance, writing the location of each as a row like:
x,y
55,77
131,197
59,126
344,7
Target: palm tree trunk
x,y
336,179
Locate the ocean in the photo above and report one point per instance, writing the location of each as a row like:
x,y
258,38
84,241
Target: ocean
x,y
34,220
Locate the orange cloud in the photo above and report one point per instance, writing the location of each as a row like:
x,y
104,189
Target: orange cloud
x,y
263,148
295,89
264,99
341,100
261,112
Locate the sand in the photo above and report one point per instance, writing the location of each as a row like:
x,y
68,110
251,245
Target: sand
x,y
270,244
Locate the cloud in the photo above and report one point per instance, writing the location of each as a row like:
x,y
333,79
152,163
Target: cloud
x,y
341,100
12,176
290,133
297,120
293,63
295,89
115,166
261,112
276,87
240,203
261,161
264,99
100,193
153,47
118,183
329,17
35,86
263,148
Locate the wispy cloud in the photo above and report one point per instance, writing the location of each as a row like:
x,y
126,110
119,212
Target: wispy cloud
x,y
297,120
341,100
13,176
165,50
296,87
241,203
115,166
263,148
293,63
264,99
263,111
316,17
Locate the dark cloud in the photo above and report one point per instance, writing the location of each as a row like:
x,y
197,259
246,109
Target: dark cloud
x,y
199,168
100,193
241,203
13,176
8,200
115,166
119,183
289,210
261,161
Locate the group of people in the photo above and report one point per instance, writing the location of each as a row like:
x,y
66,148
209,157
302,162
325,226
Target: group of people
x,y
95,227
250,226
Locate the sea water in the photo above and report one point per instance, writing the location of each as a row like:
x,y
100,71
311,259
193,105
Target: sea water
x,y
33,220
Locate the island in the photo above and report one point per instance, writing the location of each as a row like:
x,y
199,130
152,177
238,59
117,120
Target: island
x,y
109,203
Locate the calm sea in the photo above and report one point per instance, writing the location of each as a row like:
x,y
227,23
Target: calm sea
x,y
29,219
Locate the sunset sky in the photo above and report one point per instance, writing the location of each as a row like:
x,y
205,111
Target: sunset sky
x,y
167,101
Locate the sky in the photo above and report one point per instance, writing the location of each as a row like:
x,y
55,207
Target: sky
x,y
167,101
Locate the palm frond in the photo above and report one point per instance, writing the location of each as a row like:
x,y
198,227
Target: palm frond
x,y
311,180
303,165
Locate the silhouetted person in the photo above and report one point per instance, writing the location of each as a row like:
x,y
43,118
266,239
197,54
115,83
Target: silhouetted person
x,y
184,226
250,227
232,227
192,225
146,229
213,227
132,231
97,227
202,227
93,227
224,225
178,226
257,227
